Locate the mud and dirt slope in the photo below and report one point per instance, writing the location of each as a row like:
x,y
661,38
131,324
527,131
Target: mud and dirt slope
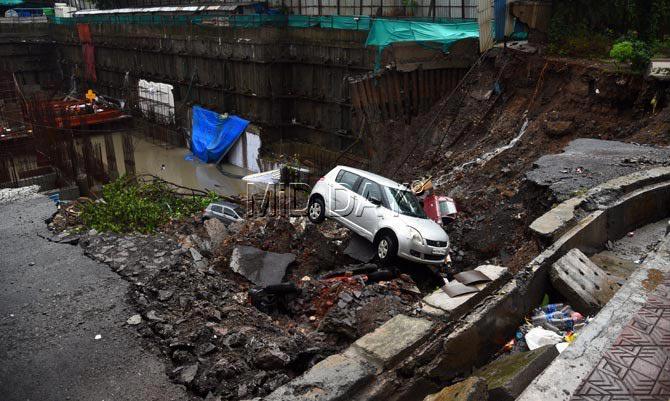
x,y
561,99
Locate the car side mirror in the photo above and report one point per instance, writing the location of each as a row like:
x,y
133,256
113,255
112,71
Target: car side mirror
x,y
375,201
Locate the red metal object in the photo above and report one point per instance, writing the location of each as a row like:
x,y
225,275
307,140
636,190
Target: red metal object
x,y
440,209
77,113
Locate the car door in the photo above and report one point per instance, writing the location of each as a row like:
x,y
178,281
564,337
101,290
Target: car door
x,y
344,196
368,214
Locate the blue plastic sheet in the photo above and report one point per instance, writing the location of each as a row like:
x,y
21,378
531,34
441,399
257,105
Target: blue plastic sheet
x,y
214,135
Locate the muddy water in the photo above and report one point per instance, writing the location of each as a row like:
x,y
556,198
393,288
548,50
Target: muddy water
x,y
173,165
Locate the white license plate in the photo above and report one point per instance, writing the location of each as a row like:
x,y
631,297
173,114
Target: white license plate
x,y
439,252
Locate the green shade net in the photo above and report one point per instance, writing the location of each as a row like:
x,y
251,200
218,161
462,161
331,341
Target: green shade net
x,y
386,32
10,2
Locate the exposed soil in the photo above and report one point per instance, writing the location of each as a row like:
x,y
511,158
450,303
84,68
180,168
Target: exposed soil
x,y
562,99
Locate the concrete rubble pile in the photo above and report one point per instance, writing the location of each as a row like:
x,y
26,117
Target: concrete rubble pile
x,y
194,298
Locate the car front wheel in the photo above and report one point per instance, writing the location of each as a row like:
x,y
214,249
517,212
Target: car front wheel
x,y
387,248
316,211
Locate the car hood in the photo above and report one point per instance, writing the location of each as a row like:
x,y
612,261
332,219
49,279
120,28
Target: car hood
x,y
427,227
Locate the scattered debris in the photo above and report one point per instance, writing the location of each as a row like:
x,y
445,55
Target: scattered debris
x,y
134,320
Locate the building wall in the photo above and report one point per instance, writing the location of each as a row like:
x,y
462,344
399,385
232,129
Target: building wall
x,y
294,83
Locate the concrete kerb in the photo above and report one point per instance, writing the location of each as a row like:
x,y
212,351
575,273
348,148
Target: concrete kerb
x,y
451,349
560,380
551,225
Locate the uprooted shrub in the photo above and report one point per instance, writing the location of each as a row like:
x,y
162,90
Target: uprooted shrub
x,y
130,204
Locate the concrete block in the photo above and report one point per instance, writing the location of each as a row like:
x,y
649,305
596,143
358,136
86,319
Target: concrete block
x,y
509,375
333,379
260,267
471,389
393,340
586,286
454,306
360,249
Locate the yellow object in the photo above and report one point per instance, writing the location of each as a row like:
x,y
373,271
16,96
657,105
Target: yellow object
x,y
90,96
570,337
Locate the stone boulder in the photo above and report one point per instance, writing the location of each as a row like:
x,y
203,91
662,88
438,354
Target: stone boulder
x,y
217,231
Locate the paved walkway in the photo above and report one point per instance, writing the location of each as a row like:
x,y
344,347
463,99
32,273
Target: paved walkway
x,y
53,303
637,365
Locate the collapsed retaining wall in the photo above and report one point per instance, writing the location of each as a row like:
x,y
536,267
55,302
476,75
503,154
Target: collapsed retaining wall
x,y
423,354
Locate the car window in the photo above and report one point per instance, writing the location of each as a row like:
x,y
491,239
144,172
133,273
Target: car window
x,y
216,208
369,189
404,202
229,212
347,179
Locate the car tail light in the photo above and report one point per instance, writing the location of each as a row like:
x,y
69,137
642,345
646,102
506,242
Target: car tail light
x,y
321,179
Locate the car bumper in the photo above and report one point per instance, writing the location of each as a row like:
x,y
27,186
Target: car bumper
x,y
424,254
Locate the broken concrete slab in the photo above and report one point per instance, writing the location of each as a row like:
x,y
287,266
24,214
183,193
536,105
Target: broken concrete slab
x,y
393,340
360,249
439,303
509,375
556,221
260,267
333,379
586,286
471,389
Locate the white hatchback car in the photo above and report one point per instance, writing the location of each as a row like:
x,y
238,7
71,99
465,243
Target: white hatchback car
x,y
386,213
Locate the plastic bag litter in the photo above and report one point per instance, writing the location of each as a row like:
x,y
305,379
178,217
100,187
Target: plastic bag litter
x,y
538,337
561,347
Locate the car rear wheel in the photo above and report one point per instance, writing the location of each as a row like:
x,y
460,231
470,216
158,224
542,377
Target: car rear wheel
x,y
316,211
386,248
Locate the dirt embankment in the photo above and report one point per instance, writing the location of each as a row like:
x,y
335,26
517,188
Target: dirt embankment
x,y
561,99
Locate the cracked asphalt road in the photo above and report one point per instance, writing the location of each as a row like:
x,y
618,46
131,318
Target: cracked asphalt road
x,y
53,302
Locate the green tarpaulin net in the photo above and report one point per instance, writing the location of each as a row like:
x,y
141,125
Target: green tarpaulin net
x,y
386,32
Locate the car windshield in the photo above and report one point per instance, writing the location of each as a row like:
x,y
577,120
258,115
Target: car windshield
x,y
404,202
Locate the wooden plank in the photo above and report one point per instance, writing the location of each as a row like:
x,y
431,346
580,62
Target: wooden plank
x,y
395,90
372,101
378,82
397,93
415,93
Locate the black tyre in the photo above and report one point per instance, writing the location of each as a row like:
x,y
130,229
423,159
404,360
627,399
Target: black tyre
x,y
386,248
316,210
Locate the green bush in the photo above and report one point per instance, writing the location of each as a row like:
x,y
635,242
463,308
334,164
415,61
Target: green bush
x,y
131,206
636,52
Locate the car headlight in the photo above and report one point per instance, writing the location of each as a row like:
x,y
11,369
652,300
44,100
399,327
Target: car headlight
x,y
416,237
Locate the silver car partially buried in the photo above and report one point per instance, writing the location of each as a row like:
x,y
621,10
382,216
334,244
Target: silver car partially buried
x,y
384,212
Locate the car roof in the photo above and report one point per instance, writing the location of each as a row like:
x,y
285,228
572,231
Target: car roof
x,y
226,204
374,177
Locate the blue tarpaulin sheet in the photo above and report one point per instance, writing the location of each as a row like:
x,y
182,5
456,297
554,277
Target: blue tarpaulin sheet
x,y
214,134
